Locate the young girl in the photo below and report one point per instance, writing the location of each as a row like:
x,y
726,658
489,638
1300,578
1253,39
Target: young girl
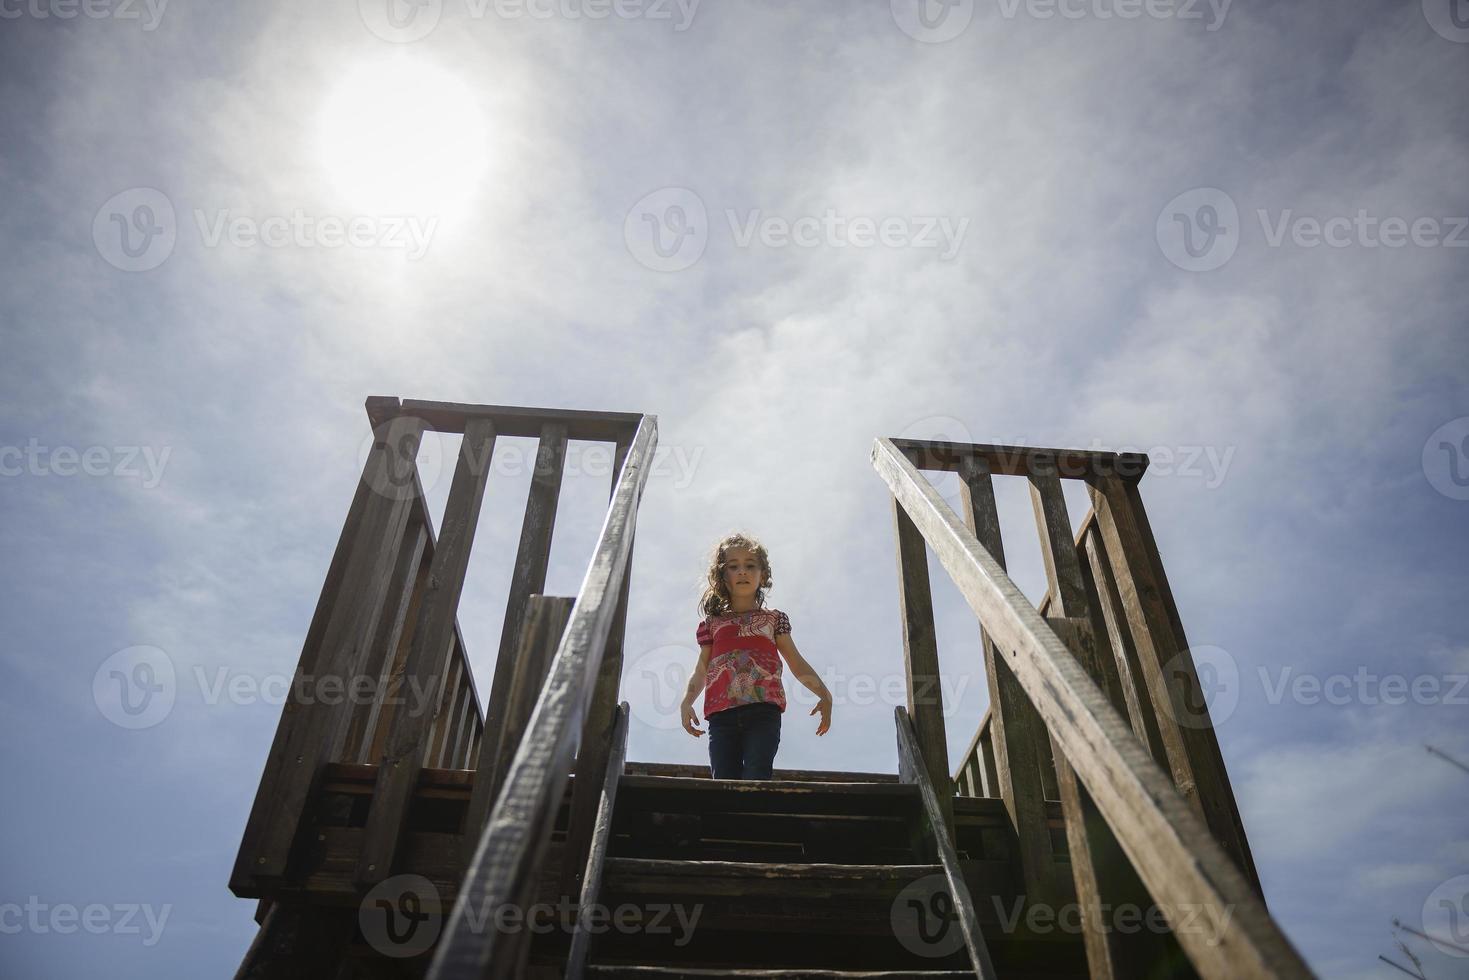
x,y
738,642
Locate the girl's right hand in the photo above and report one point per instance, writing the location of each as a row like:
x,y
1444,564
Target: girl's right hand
x,y
689,719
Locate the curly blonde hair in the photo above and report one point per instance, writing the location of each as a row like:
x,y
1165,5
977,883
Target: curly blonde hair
x,y
715,600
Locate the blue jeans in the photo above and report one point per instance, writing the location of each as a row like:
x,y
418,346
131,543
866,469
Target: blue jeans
x,y
743,740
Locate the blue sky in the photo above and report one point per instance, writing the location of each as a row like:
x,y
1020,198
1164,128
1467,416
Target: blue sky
x,y
1229,236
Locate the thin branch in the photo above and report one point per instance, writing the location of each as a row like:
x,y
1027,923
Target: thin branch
x,y
1444,755
1403,968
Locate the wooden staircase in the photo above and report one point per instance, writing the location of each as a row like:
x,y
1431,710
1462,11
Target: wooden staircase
x,y
447,837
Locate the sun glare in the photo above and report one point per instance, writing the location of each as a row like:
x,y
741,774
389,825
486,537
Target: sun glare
x,y
399,136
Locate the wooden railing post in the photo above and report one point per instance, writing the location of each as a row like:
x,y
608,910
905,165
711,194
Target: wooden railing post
x,y
528,577
1016,731
1162,650
428,659
346,617
921,661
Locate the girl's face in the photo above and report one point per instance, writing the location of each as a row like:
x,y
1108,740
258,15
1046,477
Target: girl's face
x,y
742,573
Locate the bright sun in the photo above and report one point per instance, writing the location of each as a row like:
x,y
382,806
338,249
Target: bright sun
x,y
402,137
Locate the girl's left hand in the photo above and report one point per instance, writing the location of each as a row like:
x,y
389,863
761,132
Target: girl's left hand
x,y
823,706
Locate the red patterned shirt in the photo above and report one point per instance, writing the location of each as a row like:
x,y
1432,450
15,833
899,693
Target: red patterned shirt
x,y
744,666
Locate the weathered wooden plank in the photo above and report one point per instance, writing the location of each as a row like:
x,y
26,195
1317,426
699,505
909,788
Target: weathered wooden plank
x,y
433,640
513,420
511,850
912,767
532,558
1168,668
1015,729
1173,850
593,745
310,730
921,659
448,711
384,645
591,887
464,727
397,691
545,625
1139,708
1018,460
991,768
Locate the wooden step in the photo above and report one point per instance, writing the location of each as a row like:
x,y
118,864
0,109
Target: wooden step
x,y
691,794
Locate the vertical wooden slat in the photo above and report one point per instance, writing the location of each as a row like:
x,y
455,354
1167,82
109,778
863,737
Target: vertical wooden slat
x,y
921,661
384,646
1071,621
546,618
532,558
464,726
593,747
350,606
991,770
1173,684
397,692
447,711
1016,734
433,639
1134,693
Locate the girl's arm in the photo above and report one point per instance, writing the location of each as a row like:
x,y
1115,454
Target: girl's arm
x,y
696,684
806,675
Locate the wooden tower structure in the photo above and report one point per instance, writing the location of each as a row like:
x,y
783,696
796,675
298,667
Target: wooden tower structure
x,y
417,829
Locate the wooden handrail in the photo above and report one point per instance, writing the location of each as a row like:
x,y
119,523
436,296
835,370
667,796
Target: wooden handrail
x,y
512,848
591,887
1172,850
913,769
